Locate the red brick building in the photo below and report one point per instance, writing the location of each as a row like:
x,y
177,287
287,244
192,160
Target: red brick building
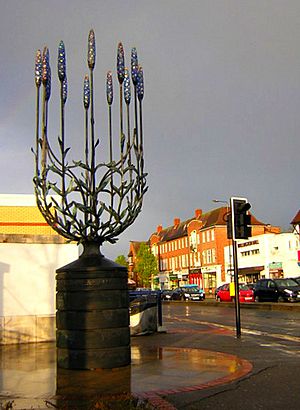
x,y
132,256
192,251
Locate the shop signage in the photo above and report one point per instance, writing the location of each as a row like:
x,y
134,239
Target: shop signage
x,y
275,265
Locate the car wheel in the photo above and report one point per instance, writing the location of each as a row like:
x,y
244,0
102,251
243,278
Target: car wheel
x,y
256,299
280,299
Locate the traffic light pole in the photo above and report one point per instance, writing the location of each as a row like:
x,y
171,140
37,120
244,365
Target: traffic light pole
x,y
238,227
236,290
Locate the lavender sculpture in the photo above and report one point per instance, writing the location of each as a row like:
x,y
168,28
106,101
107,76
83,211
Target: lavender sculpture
x,y
91,201
98,201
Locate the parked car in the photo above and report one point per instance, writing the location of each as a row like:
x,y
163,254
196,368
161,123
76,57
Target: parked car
x,y
245,293
188,292
297,279
217,290
277,290
166,294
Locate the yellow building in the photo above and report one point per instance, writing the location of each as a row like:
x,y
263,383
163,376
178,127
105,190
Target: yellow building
x,y
21,218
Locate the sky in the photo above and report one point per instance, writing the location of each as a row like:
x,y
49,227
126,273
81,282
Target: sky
x,y
221,109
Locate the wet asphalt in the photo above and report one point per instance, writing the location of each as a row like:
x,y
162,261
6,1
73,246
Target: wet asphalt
x,y
195,364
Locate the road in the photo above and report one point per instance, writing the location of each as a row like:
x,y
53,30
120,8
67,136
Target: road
x,y
270,340
278,325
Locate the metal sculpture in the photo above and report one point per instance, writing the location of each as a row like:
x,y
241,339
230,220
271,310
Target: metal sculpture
x,y
86,201
90,202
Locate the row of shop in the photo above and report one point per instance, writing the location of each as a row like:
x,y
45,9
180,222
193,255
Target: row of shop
x,y
210,279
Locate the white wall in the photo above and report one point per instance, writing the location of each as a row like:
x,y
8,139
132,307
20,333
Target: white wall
x,y
27,276
281,248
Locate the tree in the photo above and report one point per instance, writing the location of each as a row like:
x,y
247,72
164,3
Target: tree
x,y
146,265
121,260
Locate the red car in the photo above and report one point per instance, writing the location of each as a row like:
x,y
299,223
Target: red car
x,y
246,294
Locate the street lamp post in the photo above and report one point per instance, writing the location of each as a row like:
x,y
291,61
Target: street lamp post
x,y
90,202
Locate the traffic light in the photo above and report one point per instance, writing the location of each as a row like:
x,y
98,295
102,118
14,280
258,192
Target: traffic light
x,y
229,225
241,219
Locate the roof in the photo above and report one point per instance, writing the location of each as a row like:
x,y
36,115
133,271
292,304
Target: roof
x,y
134,247
296,219
209,219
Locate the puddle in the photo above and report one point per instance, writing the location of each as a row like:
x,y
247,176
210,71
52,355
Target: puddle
x,y
29,372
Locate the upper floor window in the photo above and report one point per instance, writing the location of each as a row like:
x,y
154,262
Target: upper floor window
x,y
193,239
213,255
212,234
207,236
208,256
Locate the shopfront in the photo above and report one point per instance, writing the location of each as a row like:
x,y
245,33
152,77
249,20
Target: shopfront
x,y
250,275
275,270
195,277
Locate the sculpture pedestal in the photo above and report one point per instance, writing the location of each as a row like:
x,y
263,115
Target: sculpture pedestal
x,y
92,317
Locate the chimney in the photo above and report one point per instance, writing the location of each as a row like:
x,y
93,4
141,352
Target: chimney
x,y
176,222
198,213
159,229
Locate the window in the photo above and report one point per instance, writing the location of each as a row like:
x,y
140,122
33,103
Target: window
x,y
255,251
213,255
193,240
212,234
204,257
203,237
207,236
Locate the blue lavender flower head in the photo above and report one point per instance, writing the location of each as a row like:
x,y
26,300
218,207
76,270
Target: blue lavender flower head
x,y
45,66
48,85
61,61
127,89
46,73
109,88
134,65
86,92
120,63
64,90
140,84
91,50
38,68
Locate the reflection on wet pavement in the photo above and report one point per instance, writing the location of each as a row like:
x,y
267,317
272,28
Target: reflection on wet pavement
x,y
29,372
